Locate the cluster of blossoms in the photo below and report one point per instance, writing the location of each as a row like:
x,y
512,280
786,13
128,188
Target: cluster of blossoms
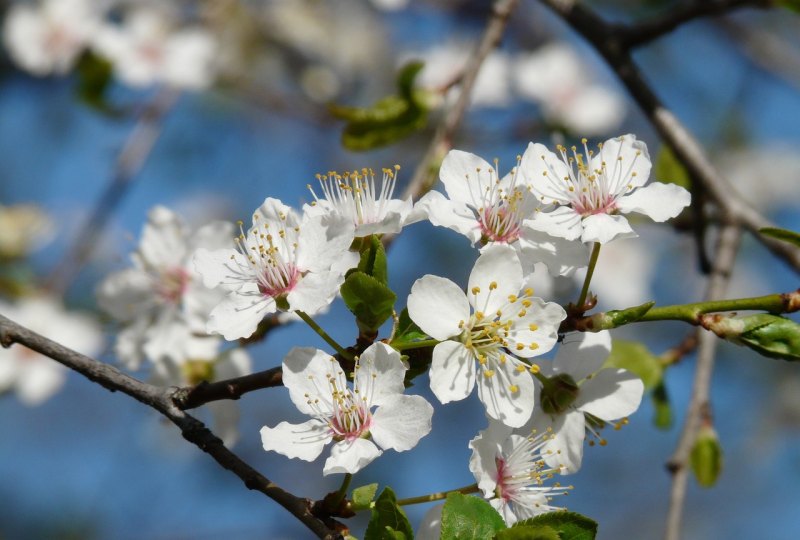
x,y
145,48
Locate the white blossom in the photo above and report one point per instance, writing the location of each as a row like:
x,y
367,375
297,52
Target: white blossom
x,y
285,262
48,38
481,327
161,300
33,376
345,416
590,190
579,386
23,229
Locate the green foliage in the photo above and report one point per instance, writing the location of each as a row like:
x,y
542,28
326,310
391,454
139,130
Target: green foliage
x,y
388,521
782,234
567,525
538,532
621,317
662,414
390,119
368,299
637,359
706,457
362,496
373,259
772,336
793,5
671,171
407,330
465,517
94,77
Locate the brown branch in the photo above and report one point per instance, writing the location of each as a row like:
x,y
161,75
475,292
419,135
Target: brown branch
x,y
733,208
647,31
205,392
699,405
161,400
131,158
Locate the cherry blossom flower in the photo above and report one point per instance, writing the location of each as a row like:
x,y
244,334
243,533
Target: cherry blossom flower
x,y
355,196
590,190
318,387
511,472
147,50
33,376
580,395
285,262
48,38
504,318
490,210
161,301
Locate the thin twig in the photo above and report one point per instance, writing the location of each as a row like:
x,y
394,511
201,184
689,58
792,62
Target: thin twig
x,y
699,405
131,158
160,399
194,396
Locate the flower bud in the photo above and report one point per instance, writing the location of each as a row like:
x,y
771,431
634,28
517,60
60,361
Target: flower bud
x,y
706,457
770,335
558,393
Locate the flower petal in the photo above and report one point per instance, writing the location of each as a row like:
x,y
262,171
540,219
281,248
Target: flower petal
x,y
563,222
485,449
305,374
626,162
127,294
303,441
452,371
39,379
657,201
164,242
443,212
561,256
497,274
350,456
381,374
238,315
544,172
565,446
225,268
583,354
465,177
322,241
401,421
225,415
611,394
537,330
315,291
438,305
506,392
604,228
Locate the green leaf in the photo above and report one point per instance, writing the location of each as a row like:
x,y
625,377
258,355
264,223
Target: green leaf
x,y
368,299
94,77
706,457
770,335
373,259
388,521
407,330
793,5
669,170
662,414
637,359
782,234
468,518
570,525
538,532
362,496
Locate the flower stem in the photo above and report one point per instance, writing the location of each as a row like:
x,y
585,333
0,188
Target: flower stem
x,y
415,344
437,496
324,335
342,493
589,273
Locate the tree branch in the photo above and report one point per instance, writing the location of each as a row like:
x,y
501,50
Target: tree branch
x,y
161,400
733,207
194,396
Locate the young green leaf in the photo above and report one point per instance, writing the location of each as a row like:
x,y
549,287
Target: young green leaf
x,y
569,525
362,496
528,532
782,234
706,457
662,414
637,359
388,521
670,170
465,517
368,299
407,330
373,259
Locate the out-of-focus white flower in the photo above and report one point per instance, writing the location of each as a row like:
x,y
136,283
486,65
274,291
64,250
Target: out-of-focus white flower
x,y
506,323
33,376
490,210
284,262
576,386
590,190
390,5
430,528
23,229
146,50
555,77
160,300
318,387
511,472
355,196
445,63
48,38
768,177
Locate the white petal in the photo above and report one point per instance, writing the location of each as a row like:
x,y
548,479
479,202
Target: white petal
x,y
305,375
221,267
39,379
452,371
304,441
627,162
164,243
561,256
401,421
438,305
465,177
513,408
350,456
274,211
544,318
129,344
582,354
497,274
214,235
563,222
544,173
238,315
232,363
315,291
604,228
127,294
322,241
565,447
611,394
483,461
657,201
225,415
443,212
381,373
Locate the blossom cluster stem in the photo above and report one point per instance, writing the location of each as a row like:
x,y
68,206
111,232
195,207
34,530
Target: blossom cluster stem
x,y
589,274
415,344
473,488
324,335
342,493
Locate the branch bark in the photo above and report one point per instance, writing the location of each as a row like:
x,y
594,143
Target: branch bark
x,y
194,396
161,399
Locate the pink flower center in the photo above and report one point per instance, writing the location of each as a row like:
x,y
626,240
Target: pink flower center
x,y
350,420
503,491
499,224
173,284
278,280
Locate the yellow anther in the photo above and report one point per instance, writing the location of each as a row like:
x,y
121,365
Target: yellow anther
x,y
526,303
533,327
520,346
476,290
533,346
513,388
512,298
534,368
489,373
492,285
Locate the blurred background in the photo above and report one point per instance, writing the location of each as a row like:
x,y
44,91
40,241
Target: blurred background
x,y
245,114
